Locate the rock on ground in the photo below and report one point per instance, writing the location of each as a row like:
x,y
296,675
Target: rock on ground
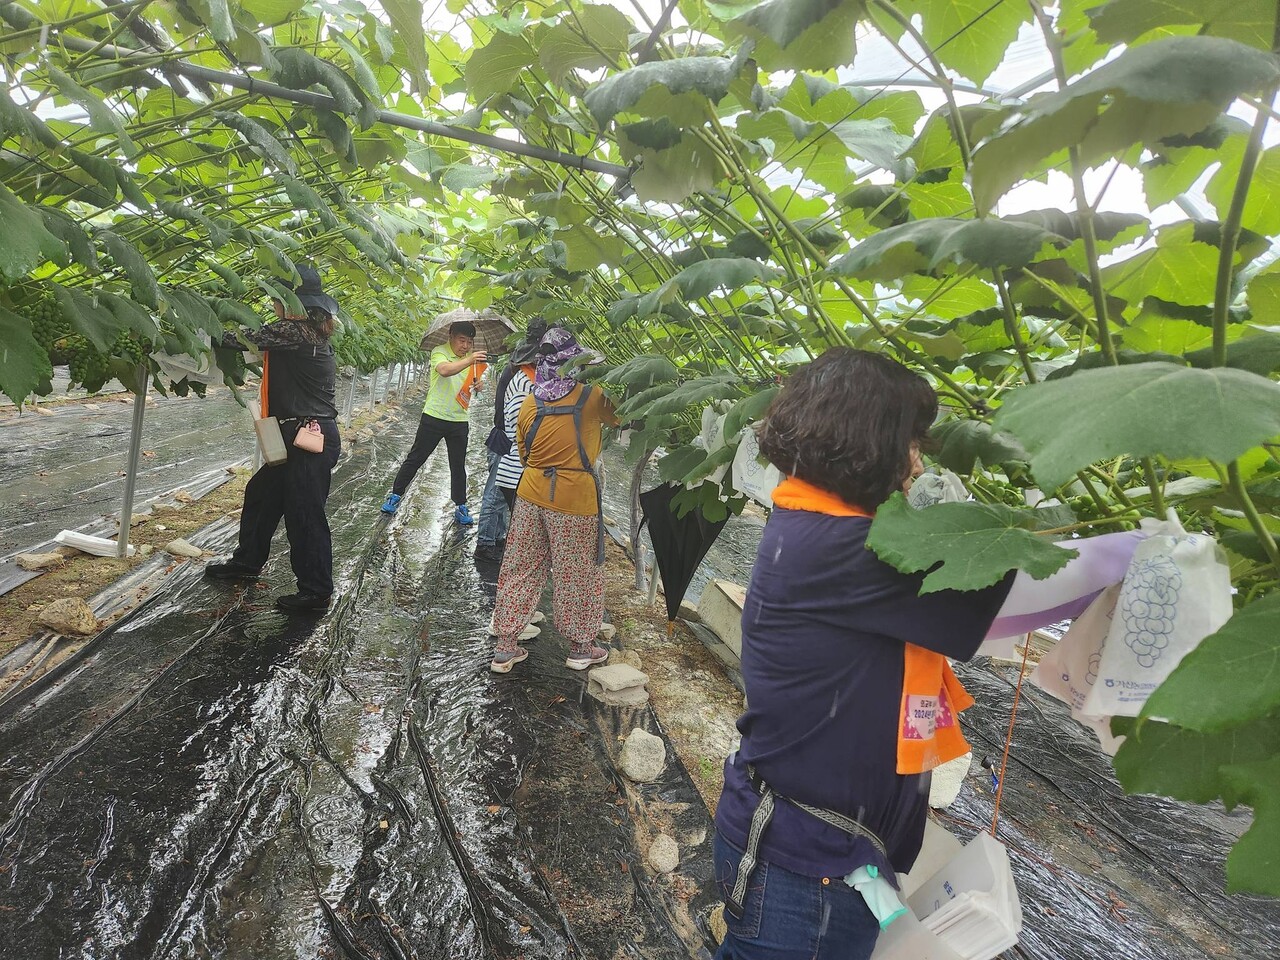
x,y
618,685
644,756
629,657
40,561
69,615
181,548
664,854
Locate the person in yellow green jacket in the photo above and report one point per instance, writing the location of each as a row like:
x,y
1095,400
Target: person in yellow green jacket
x,y
455,368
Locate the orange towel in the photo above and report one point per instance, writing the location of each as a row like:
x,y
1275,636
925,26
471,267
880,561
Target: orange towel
x,y
474,372
932,696
262,388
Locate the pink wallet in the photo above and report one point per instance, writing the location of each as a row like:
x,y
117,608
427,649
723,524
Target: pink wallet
x,y
309,437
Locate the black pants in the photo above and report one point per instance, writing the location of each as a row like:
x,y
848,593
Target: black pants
x,y
295,490
431,431
509,495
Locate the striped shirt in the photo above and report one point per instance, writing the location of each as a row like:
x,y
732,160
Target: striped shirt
x,y
509,467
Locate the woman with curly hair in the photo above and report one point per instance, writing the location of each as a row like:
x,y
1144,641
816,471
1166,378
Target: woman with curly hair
x,y
851,701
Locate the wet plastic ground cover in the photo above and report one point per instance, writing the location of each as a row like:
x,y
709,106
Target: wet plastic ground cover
x,y
215,779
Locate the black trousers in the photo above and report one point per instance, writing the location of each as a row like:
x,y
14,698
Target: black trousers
x,y
509,495
295,490
431,430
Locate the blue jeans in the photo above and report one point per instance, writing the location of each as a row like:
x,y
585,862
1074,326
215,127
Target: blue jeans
x,y
493,508
792,917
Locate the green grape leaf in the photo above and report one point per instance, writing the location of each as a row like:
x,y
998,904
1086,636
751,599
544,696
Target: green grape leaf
x,y
16,121
636,407
965,546
128,258
261,139
1171,86
1259,353
1262,205
699,391
595,37
1254,863
191,311
24,364
801,34
360,69
407,34
703,77
679,462
963,443
494,68
90,317
925,245
643,371
671,175
969,36
1229,679
1177,270
731,273
1163,758
1124,21
1140,410
130,315
748,410
584,249
26,241
718,458
101,117
73,235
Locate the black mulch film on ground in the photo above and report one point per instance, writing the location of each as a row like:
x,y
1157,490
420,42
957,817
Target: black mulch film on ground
x,y
214,778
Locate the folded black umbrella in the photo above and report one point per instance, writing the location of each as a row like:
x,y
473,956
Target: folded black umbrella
x,y
679,543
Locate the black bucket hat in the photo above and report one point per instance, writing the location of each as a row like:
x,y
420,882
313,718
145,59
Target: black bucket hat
x,y
310,291
527,351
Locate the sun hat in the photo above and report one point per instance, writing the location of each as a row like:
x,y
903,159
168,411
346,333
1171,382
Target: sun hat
x,y
310,291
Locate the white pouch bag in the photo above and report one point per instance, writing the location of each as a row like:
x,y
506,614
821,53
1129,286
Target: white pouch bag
x,y
1070,670
1176,592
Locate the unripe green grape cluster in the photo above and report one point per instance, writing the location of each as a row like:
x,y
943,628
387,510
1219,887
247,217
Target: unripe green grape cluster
x,y
89,367
48,324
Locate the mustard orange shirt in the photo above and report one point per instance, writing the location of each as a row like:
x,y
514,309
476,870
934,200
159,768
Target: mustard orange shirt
x,y
556,445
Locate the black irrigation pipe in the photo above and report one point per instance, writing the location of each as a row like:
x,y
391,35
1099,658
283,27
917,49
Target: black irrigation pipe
x,y
307,98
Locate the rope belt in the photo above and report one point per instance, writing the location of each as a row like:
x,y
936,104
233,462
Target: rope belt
x,y
759,823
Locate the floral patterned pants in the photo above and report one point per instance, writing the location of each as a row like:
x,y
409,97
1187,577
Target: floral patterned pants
x,y
542,540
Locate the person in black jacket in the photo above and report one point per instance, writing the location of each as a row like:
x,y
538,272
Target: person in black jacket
x,y
301,371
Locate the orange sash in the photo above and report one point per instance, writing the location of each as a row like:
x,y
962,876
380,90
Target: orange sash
x,y
469,382
932,696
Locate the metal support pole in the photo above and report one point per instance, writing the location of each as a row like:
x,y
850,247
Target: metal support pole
x,y
263,88
373,388
131,469
351,399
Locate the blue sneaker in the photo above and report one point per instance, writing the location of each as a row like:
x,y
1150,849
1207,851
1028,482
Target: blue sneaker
x,y
391,504
463,515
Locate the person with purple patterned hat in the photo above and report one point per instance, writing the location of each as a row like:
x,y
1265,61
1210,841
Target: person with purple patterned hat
x,y
556,524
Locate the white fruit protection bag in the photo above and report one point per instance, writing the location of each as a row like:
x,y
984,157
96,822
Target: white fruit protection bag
x,y
1176,592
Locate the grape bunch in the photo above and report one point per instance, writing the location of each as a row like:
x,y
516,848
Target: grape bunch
x,y
129,348
89,368
47,322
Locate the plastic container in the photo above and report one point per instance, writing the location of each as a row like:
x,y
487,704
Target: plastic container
x,y
270,442
98,546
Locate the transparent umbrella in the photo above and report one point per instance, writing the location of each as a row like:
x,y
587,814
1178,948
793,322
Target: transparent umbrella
x,y
492,329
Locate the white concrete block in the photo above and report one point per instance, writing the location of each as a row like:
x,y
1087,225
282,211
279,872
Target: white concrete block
x,y
720,609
